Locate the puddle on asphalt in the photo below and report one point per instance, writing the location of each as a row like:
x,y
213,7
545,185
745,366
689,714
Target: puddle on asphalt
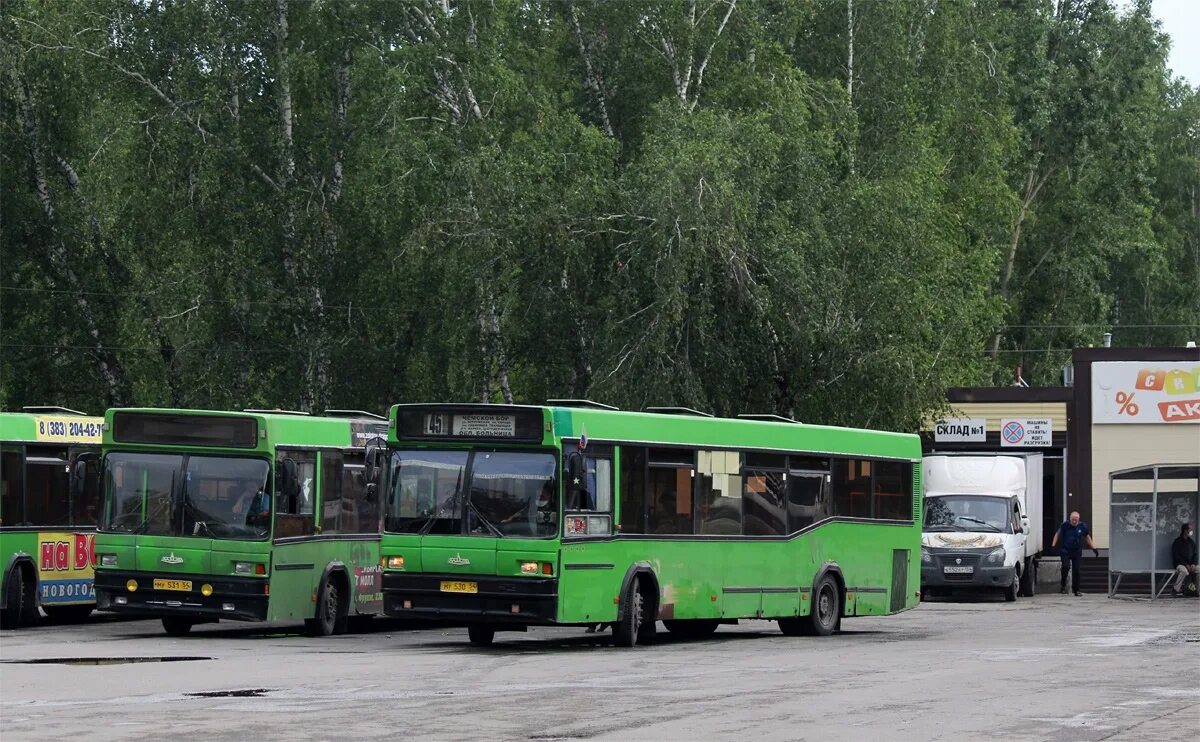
x,y
101,660
243,693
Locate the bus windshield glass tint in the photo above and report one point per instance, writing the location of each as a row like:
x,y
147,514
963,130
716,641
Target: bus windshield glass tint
x,y
508,493
200,496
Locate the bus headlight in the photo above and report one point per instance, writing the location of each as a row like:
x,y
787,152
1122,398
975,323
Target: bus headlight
x,y
926,557
108,560
395,562
529,568
996,556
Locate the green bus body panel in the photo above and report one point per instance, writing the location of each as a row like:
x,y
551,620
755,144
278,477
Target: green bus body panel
x,y
60,557
292,590
698,577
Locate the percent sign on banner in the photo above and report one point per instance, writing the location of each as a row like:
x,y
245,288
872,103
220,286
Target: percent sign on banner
x,y
1127,405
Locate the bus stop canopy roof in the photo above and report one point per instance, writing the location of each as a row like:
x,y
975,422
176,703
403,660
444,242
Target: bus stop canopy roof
x,y
1164,471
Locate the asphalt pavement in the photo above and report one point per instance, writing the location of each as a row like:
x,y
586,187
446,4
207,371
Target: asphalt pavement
x,y
1049,668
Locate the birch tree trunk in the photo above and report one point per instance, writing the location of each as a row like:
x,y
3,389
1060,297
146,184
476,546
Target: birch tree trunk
x,y
57,253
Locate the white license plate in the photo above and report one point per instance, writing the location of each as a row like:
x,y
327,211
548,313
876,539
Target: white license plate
x,y
964,570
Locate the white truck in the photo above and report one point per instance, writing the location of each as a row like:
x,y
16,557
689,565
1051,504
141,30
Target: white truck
x,y
983,524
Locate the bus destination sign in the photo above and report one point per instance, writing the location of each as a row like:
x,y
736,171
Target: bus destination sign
x,y
471,425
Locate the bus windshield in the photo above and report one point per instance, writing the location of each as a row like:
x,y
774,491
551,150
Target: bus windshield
x,y
484,493
966,513
187,495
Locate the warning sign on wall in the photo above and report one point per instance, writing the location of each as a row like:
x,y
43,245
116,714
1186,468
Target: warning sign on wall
x,y
1026,432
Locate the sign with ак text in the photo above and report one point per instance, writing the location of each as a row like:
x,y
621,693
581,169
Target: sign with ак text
x,y
961,430
1145,392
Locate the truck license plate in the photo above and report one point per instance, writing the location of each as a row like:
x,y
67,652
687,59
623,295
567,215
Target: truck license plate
x,y
963,570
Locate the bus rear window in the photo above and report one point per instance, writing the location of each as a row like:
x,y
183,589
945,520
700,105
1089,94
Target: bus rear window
x,y
185,430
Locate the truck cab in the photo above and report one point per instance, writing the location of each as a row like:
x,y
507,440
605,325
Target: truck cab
x,y
982,524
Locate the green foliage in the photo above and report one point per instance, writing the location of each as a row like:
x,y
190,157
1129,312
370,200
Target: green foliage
x,y
227,204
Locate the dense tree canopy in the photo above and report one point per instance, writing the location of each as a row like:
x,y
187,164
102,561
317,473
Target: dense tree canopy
x,y
830,209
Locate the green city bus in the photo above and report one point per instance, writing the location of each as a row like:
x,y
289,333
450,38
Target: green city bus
x,y
252,516
48,505
503,517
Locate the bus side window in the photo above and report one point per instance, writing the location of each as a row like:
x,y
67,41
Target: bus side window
x,y
764,509
294,495
893,490
719,492
47,487
331,492
633,490
852,488
360,510
12,487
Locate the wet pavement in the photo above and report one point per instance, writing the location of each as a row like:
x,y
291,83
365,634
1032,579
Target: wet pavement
x,y
1049,668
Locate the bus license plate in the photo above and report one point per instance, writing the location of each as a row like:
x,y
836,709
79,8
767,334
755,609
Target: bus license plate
x,y
460,587
964,570
183,586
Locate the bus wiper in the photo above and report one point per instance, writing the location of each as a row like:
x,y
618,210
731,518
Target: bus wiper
x,y
487,523
980,522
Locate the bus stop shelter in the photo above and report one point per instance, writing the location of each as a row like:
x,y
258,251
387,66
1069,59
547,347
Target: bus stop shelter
x,y
1148,504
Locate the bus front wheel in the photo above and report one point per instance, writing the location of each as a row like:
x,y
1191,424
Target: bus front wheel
x,y
176,626
628,628
481,636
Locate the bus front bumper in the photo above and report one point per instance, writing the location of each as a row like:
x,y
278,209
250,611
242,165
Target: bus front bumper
x,y
497,600
237,598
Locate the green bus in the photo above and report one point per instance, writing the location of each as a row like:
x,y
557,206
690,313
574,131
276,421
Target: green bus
x,y
503,517
251,516
48,504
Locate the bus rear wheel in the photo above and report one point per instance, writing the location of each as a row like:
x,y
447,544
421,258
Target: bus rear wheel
x,y
692,629
481,636
328,619
176,626
826,615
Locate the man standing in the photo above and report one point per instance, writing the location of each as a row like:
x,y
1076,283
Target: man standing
x,y
1072,534
1183,552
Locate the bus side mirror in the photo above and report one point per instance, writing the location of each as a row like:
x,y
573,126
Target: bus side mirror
x,y
1024,524
372,458
575,470
287,476
79,472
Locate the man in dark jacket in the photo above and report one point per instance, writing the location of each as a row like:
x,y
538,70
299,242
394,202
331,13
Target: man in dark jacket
x,y
1070,539
1183,551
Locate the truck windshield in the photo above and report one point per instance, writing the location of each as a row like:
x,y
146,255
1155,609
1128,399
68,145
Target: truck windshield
x,y
966,513
478,493
186,495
